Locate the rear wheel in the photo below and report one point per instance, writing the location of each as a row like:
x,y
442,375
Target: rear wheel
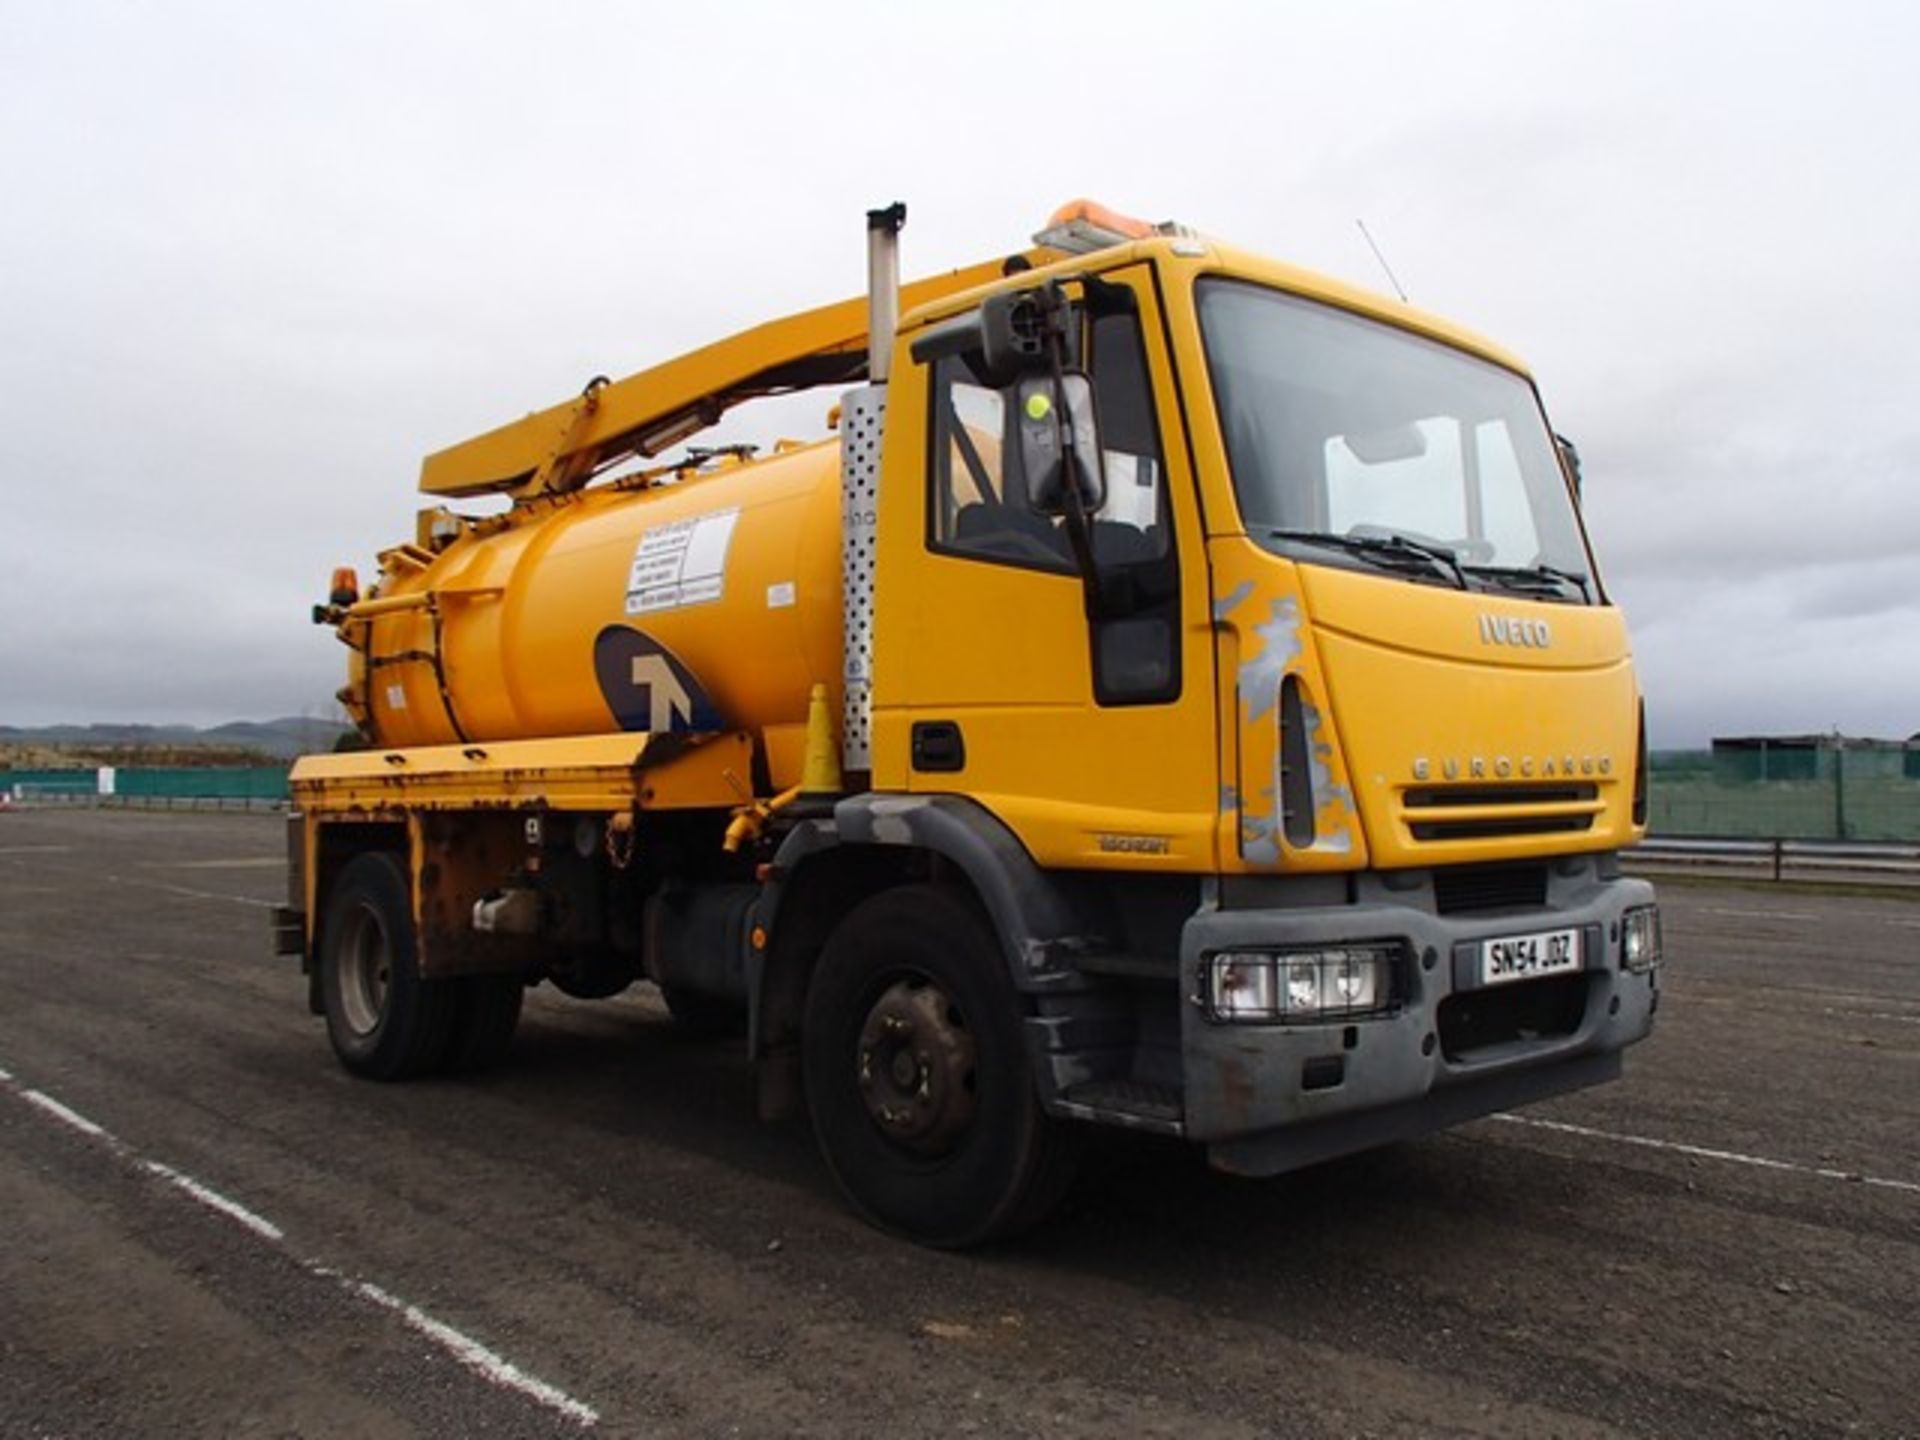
x,y
385,1022
917,1076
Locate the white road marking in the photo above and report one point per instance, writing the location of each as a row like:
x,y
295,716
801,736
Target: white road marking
x,y
488,1364
65,1116
214,1200
1739,914
1758,914
1798,995
251,862
479,1358
1875,1015
1702,1152
193,894
34,849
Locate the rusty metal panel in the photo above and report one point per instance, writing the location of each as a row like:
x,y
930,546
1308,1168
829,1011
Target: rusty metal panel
x,y
580,773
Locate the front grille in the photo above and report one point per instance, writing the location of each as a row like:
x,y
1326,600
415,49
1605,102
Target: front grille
x,y
1471,1020
1424,797
1463,889
1505,825
1481,812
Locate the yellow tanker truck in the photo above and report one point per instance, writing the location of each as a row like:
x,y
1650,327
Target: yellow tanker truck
x,y
1178,695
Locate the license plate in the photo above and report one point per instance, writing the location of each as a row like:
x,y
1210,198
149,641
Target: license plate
x,y
1527,957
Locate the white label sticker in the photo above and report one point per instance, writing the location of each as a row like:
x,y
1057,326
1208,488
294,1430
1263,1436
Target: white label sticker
x,y
684,563
780,596
396,698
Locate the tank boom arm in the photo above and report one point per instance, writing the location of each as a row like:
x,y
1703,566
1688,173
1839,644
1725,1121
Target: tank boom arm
x,y
560,448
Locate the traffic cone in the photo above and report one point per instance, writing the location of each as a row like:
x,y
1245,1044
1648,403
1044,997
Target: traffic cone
x,y
820,774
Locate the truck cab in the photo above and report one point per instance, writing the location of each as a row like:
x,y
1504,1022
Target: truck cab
x,y
1340,724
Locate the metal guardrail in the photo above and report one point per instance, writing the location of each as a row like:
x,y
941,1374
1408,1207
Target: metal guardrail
x,y
1784,859
32,797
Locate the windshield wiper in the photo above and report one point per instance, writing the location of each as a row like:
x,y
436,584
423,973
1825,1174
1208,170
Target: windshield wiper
x,y
1386,549
1551,574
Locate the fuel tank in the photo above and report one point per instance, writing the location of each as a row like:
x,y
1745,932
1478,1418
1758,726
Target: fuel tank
x,y
709,601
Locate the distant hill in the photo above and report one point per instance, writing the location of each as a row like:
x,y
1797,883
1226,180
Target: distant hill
x,y
231,743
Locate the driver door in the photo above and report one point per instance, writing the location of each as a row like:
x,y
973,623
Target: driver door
x,y
1092,739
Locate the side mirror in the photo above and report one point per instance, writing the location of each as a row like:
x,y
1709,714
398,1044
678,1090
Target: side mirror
x,y
1060,443
1008,332
1013,335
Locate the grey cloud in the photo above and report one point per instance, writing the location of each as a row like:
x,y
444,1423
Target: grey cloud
x,y
256,262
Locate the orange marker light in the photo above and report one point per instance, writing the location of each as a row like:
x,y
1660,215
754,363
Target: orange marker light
x,y
1080,226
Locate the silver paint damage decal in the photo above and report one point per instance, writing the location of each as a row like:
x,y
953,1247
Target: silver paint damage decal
x,y
1281,653
1260,676
1333,804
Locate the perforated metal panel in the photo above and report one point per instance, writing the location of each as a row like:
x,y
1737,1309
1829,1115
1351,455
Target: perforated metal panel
x,y
861,414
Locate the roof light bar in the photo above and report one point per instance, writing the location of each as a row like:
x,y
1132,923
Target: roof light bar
x,y
1081,226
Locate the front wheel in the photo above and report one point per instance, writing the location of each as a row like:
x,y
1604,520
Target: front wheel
x,y
917,1077
385,1022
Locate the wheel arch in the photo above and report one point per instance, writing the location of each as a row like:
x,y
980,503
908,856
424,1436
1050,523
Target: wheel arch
x,y
1041,920
337,843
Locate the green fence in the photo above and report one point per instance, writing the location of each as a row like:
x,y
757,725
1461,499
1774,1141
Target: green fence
x,y
1810,795
241,785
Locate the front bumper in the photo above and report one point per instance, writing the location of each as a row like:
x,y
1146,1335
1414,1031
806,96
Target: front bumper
x,y
1268,1097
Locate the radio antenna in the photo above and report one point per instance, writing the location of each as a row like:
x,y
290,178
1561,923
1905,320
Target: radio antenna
x,y
1392,278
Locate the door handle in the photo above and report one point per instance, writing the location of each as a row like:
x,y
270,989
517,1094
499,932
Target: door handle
x,y
938,746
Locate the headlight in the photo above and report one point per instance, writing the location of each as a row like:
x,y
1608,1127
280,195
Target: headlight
x,y
1242,987
1640,938
1300,985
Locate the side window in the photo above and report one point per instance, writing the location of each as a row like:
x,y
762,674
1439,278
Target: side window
x,y
980,497
980,507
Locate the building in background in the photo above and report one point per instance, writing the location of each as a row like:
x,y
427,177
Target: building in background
x,y
1748,758
1792,787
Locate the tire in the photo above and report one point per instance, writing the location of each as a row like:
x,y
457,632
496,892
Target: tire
x,y
917,1078
707,1016
385,1022
486,1012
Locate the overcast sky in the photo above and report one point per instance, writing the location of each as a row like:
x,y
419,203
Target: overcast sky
x,y
257,259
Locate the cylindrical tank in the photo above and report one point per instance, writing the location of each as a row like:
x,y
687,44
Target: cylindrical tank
x,y
706,603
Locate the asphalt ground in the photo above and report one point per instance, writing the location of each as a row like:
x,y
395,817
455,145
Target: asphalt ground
x,y
209,1228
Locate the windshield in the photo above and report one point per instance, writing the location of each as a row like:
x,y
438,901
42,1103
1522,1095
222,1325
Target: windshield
x,y
1353,443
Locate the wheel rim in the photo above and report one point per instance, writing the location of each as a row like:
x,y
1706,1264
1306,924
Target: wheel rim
x,y
366,971
916,1067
